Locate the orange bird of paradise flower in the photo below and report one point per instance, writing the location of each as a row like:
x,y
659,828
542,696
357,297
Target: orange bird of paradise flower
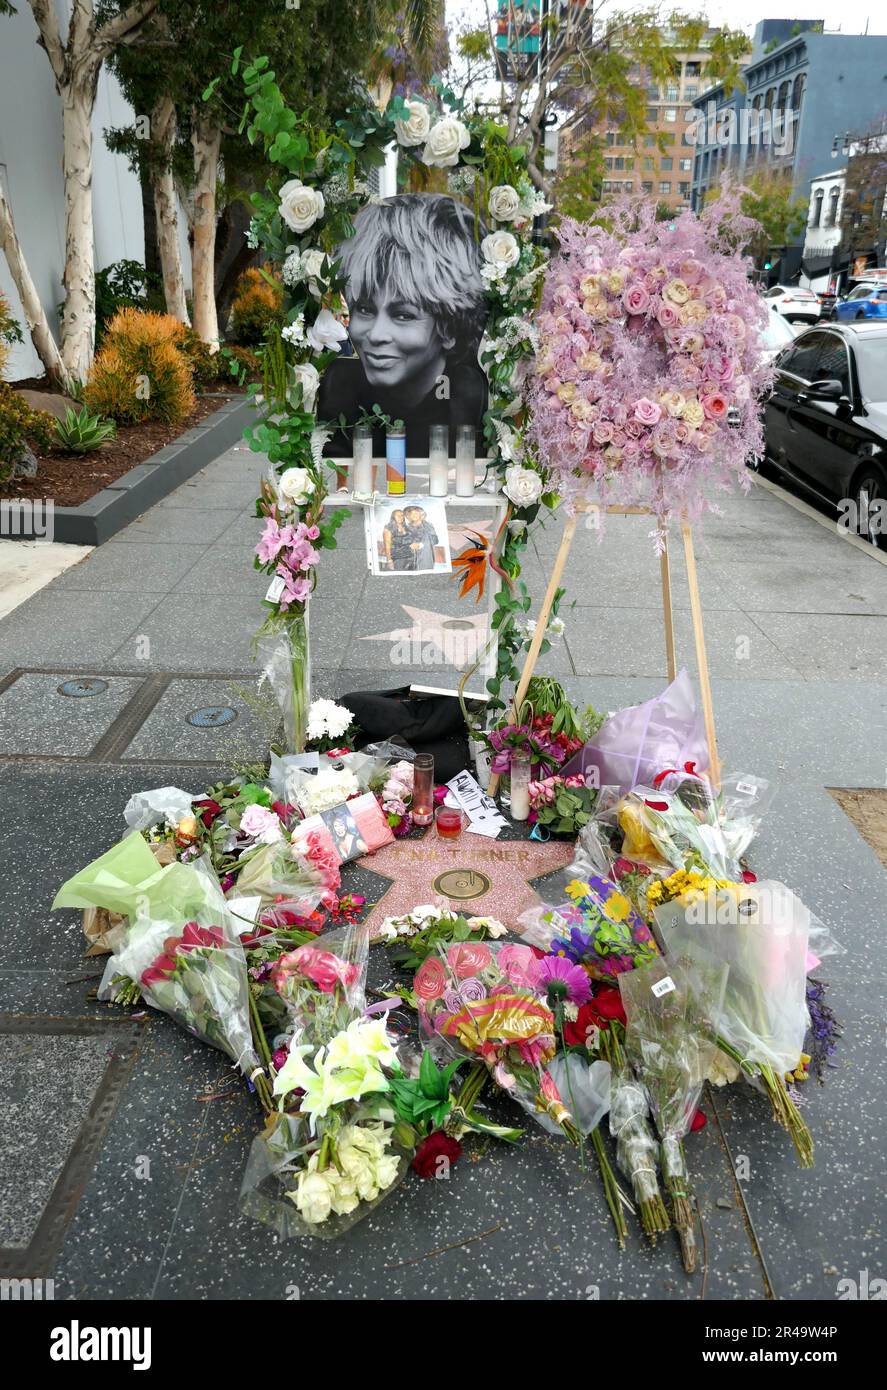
x,y
470,565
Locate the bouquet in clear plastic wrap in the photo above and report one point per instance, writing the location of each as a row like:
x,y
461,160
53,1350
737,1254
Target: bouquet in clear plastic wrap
x,y
672,1016
597,929
637,1152
762,934
188,961
482,999
692,825
330,1153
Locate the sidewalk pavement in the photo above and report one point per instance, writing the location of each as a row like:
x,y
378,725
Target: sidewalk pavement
x,y
158,623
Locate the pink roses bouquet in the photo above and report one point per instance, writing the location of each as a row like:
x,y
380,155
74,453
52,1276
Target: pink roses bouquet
x,y
322,986
485,1000
650,363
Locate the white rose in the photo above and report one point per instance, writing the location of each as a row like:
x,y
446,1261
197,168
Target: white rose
x,y
312,263
445,139
415,128
501,249
504,203
313,1198
522,486
308,377
296,486
326,332
300,206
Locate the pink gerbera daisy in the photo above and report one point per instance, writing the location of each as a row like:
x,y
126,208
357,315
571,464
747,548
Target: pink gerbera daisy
x,y
562,980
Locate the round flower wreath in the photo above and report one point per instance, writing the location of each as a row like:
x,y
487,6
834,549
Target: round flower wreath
x,y
650,365
299,222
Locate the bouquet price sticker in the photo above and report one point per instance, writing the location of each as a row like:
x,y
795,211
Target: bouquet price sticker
x,y
664,986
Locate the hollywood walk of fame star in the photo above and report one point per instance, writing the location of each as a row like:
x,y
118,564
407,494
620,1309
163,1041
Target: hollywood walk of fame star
x,y
458,641
481,878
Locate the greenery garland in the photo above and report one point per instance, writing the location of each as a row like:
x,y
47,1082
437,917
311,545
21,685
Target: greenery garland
x,y
300,224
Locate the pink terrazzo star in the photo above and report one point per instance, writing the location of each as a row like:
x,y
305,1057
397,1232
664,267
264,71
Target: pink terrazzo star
x,y
494,872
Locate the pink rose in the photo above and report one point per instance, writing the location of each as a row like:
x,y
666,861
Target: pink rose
x,y
715,406
667,315
602,432
647,412
636,299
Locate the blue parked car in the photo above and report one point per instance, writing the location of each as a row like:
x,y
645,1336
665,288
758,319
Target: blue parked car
x,y
863,302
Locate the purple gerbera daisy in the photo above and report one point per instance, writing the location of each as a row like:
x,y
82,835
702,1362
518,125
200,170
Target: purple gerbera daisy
x,y
562,980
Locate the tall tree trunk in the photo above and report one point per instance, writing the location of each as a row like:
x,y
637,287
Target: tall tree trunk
x,y
149,223
78,320
35,316
206,139
163,130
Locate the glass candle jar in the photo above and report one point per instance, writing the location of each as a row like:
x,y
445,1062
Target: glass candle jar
x,y
422,809
449,822
465,443
362,468
438,460
396,460
520,786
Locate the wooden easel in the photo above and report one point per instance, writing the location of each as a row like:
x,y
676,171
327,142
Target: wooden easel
x,y
667,617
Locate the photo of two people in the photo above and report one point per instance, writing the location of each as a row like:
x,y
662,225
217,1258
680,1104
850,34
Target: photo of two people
x,y
409,536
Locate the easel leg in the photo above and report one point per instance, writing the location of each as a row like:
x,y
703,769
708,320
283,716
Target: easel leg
x,y
667,614
701,658
541,626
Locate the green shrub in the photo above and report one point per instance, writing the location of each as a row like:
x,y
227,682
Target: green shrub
x,y
255,307
81,432
141,372
20,425
123,285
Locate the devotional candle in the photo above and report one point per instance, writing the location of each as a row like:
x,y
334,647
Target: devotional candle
x,y
448,822
422,809
362,468
396,459
438,460
520,786
465,442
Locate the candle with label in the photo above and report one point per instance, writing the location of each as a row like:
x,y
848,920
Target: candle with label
x,y
465,443
396,459
438,460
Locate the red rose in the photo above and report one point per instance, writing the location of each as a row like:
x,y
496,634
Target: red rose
x,y
208,810
699,1121
748,876
468,959
437,1146
430,980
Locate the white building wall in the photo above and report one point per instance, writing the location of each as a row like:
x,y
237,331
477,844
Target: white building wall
x,y
31,170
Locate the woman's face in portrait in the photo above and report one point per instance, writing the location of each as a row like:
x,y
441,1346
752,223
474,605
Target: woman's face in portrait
x,y
399,343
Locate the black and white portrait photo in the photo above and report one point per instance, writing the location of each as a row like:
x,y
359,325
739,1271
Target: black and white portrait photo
x,y
417,312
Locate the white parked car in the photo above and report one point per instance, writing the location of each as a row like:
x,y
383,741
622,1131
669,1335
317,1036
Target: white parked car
x,y
794,303
778,334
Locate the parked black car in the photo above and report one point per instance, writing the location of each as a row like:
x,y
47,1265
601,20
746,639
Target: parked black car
x,y
825,421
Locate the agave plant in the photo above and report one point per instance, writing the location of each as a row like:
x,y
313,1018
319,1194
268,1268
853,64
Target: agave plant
x,y
81,432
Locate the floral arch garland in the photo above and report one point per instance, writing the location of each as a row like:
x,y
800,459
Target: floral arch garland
x,y
298,224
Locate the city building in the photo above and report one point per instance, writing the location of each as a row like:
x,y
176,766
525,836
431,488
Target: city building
x,y
802,89
662,167
847,213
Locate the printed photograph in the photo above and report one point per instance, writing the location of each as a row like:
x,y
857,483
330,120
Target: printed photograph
x,y
416,316
347,839
409,536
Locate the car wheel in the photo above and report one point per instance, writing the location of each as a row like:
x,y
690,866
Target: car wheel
x,y
859,314
870,495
